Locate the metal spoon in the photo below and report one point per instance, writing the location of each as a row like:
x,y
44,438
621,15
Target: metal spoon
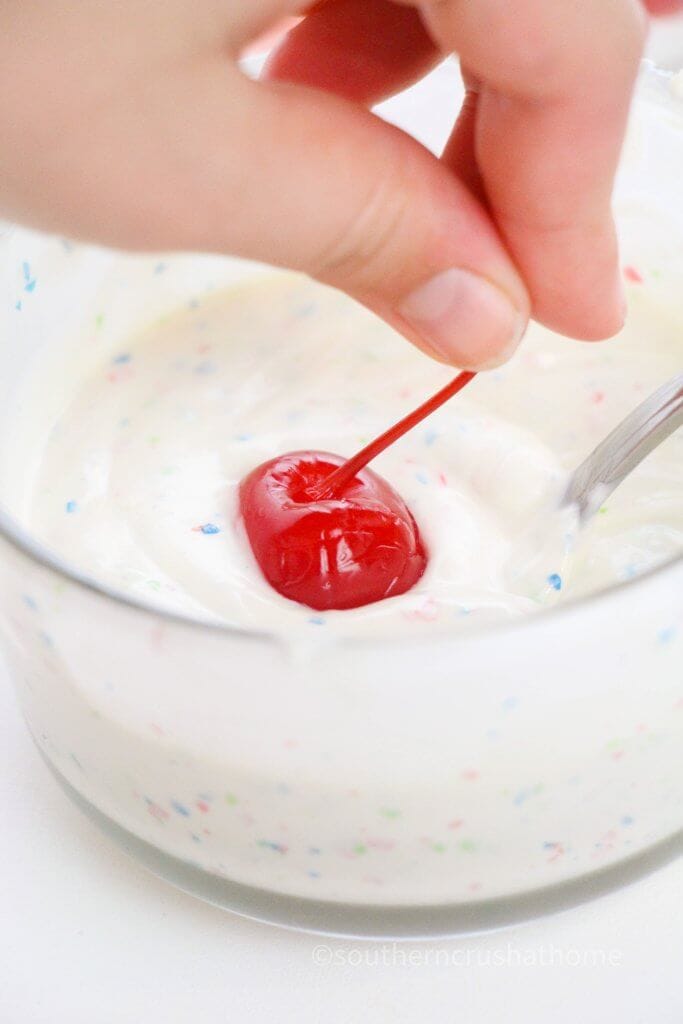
x,y
630,442
553,532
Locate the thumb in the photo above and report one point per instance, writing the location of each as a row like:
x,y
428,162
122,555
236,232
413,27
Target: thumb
x,y
321,185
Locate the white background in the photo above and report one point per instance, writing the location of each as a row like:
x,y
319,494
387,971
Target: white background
x,y
88,937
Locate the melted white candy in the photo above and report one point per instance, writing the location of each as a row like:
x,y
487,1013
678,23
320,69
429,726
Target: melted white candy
x,y
152,447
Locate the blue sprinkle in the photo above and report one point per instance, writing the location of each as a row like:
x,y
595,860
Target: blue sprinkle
x,y
17,306
627,820
193,304
125,357
314,874
46,638
462,610
30,602
421,477
270,844
667,635
510,703
314,850
555,581
317,620
549,846
205,369
195,838
180,808
160,268
71,506
243,437
29,282
210,528
430,437
304,311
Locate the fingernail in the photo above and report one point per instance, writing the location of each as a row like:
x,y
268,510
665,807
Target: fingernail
x,y
464,319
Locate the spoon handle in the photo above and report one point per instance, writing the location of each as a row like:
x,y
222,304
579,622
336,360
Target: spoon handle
x,y
625,448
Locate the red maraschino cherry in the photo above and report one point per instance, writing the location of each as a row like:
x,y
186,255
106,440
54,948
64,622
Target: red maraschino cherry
x,y
330,533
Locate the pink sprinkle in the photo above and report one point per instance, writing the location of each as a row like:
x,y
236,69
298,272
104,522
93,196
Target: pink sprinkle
x,y
203,349
471,775
474,886
157,812
156,636
203,806
633,275
381,844
442,480
597,397
156,729
617,754
456,823
290,744
428,612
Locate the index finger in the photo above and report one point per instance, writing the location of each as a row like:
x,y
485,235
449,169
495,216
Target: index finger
x,y
555,82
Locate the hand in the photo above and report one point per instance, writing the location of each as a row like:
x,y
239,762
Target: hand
x,y
128,122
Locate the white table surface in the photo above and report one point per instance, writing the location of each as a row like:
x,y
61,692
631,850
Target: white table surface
x,y
89,937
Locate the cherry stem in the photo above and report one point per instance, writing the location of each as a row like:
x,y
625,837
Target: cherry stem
x,y
346,472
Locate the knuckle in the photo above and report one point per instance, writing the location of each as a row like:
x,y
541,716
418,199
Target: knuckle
x,y
361,253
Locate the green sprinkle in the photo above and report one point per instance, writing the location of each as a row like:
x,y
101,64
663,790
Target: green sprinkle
x,y
359,848
467,846
390,812
439,847
231,799
99,319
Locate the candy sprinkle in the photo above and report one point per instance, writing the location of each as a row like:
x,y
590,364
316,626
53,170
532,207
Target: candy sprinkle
x,y
207,528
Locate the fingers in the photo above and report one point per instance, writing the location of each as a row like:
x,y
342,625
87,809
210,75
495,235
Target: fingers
x,y
176,149
663,7
556,82
364,50
328,188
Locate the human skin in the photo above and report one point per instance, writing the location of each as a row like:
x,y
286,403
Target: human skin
x,y
129,123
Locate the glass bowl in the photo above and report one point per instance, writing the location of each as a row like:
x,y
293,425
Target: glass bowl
x,y
411,787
